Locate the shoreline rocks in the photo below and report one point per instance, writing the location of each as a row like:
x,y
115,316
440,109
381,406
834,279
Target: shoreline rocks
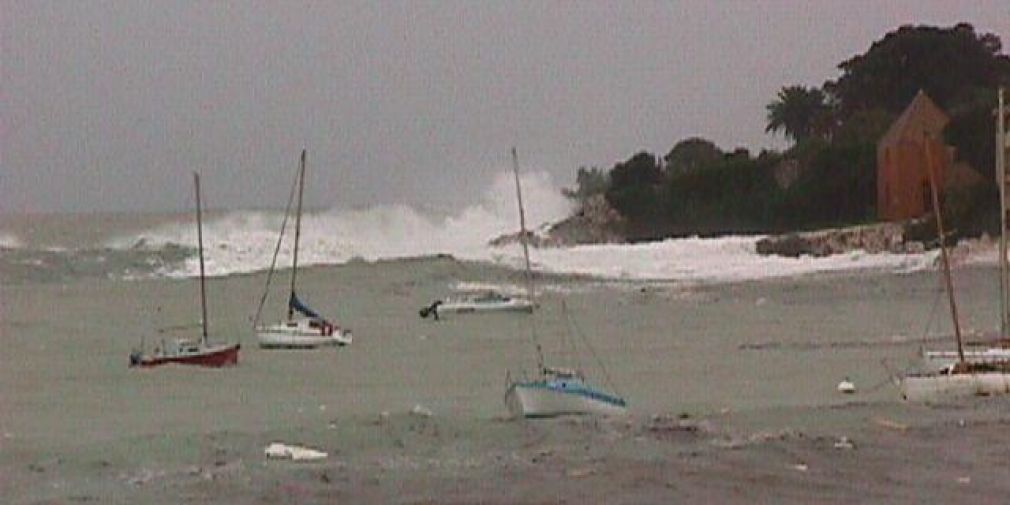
x,y
873,238
595,222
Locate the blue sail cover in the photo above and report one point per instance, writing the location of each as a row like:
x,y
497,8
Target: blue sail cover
x,y
295,304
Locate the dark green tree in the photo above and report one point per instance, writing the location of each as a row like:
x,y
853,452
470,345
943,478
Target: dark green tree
x,y
799,113
635,192
944,62
691,155
588,183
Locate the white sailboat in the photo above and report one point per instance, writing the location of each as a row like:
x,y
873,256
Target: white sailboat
x,y
553,391
303,328
987,373
199,352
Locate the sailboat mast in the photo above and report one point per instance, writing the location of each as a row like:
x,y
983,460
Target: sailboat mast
x,y
522,226
298,229
199,241
1001,182
943,248
526,255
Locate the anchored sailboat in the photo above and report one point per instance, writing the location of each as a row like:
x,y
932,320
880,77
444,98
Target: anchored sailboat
x,y
554,391
304,328
982,374
186,351
990,350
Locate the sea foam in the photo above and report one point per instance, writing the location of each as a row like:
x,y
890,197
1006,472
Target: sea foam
x,y
10,241
244,241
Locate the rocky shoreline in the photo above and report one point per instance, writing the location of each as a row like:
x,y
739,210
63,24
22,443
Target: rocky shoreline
x,y
872,238
596,222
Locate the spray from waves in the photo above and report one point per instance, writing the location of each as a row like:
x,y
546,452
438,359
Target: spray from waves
x,y
241,242
10,241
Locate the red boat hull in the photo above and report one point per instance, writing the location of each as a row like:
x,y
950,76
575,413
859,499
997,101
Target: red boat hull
x,y
215,358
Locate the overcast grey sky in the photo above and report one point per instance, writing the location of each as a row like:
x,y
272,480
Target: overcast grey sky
x,y
109,105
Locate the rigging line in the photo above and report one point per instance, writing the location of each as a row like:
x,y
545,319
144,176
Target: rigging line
x,y
569,339
277,249
932,315
592,350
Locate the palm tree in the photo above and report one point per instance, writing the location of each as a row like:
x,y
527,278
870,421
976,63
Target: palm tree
x,y
800,112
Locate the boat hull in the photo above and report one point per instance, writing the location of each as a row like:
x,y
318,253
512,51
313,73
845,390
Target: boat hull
x,y
483,308
283,340
213,357
557,398
940,360
924,388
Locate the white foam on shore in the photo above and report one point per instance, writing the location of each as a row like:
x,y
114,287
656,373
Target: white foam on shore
x,y
10,241
724,259
242,242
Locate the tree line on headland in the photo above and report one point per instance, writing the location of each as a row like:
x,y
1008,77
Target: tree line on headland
x,y
827,177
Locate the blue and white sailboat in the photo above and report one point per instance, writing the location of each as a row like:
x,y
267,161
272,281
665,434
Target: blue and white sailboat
x,y
553,391
304,328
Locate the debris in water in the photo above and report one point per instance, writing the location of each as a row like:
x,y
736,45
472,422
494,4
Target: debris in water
x,y
420,411
800,467
761,301
277,450
846,387
844,443
887,423
964,480
580,472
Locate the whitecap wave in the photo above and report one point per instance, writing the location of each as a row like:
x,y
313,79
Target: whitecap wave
x,y
10,241
242,242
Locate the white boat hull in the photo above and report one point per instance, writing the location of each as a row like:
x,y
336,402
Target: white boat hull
x,y
463,307
300,335
940,360
537,399
924,388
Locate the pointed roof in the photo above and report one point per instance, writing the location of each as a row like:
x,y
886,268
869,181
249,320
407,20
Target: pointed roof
x,y
921,116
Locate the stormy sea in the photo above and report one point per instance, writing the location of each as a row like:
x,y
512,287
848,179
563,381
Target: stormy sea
x,y
729,362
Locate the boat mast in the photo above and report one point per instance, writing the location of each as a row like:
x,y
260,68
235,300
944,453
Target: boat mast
x,y
943,247
522,226
199,241
298,230
526,255
1002,180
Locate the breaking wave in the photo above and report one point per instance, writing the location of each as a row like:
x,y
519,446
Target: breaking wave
x,y
243,241
10,241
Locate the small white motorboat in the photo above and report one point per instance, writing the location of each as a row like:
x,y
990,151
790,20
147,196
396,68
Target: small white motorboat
x,y
484,302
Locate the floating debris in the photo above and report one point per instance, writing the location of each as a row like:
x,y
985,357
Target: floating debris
x,y
420,411
887,423
844,444
277,450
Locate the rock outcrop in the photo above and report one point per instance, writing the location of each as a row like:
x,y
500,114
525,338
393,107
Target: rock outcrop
x,y
596,222
874,238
